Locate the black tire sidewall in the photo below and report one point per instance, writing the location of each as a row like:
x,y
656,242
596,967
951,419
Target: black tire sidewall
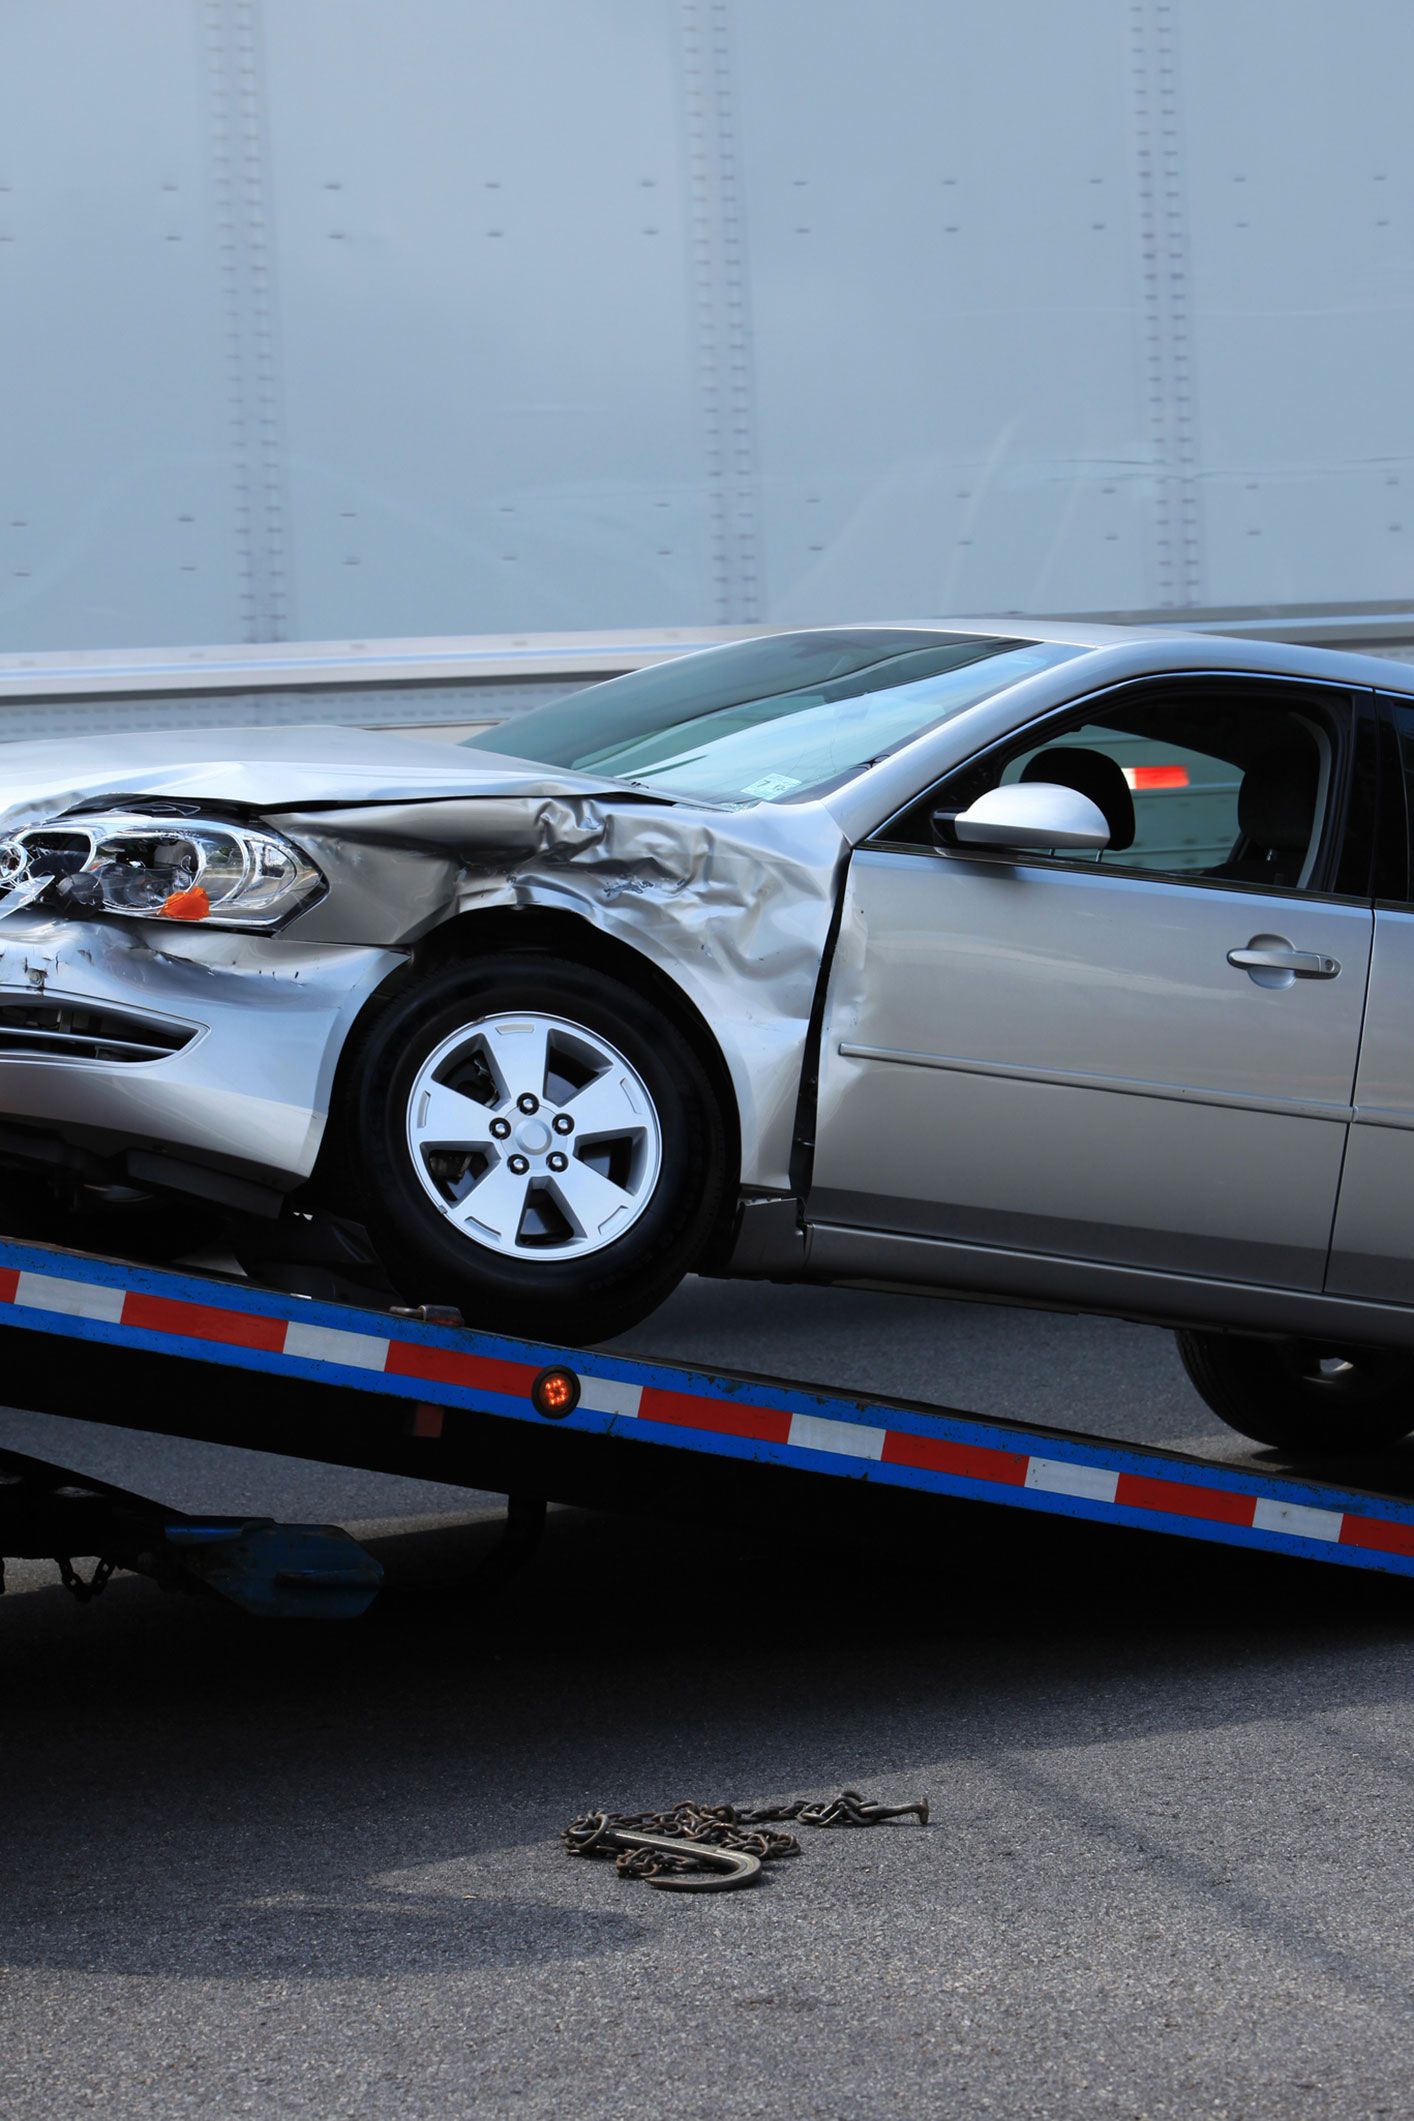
x,y
432,1263
1250,1385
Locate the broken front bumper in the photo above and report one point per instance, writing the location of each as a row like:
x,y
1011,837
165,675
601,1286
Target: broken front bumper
x,y
214,1047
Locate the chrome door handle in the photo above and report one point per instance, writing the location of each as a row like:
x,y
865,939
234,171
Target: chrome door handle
x,y
1306,964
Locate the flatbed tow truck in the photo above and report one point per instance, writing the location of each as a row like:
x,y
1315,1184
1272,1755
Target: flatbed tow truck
x,y
218,1359
212,1358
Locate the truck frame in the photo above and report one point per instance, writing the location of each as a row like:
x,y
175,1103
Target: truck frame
x,y
218,1359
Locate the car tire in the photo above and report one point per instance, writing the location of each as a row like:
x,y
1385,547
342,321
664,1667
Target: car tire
x,y
580,1233
1305,1397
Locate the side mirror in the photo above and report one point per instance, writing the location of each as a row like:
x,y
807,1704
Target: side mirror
x,y
1025,814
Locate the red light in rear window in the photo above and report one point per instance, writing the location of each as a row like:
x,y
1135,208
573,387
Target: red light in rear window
x,y
1156,776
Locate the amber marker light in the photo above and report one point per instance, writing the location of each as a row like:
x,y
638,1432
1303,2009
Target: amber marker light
x,y
192,905
555,1393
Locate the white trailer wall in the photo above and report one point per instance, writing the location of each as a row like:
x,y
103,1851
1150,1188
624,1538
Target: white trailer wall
x,y
322,318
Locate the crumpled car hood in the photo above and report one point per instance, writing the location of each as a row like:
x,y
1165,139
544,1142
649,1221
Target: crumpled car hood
x,y
263,769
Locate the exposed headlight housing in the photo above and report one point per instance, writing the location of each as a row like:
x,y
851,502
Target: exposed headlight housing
x,y
159,868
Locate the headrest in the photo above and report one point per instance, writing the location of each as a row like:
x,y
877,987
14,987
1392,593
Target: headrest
x,y
1276,804
1091,773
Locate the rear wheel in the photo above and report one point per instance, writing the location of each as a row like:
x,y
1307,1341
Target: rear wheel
x,y
537,1144
1308,1397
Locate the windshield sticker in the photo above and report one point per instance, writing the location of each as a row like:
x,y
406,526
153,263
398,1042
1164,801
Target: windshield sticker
x,y
771,785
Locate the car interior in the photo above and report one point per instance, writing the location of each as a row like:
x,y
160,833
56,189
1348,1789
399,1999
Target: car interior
x,y
1222,786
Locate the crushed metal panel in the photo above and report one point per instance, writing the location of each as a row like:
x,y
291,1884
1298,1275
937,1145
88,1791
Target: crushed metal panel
x,y
733,907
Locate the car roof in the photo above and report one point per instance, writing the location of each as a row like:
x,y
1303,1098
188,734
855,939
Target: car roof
x,y
1184,647
1110,656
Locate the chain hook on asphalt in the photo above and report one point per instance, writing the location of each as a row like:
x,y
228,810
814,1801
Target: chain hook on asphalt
x,y
710,1848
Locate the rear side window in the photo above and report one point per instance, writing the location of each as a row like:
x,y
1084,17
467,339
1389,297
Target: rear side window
x,y
1396,868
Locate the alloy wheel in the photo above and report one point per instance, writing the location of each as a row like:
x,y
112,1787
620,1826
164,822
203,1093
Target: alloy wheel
x,y
534,1136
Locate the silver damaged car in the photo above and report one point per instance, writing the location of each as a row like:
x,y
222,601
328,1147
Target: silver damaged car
x,y
1058,964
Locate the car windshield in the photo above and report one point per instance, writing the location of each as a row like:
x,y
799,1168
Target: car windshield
x,y
762,721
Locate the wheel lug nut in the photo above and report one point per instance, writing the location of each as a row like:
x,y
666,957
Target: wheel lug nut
x,y
558,1161
562,1123
500,1128
519,1164
528,1102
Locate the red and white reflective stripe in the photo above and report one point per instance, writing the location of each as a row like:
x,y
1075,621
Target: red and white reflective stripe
x,y
1157,1494
226,1326
354,1351
608,1395
709,1413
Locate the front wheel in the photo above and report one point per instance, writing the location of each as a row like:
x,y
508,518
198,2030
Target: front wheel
x,y
537,1144
1307,1397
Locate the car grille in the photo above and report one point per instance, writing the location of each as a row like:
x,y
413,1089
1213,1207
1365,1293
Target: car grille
x,y
63,1031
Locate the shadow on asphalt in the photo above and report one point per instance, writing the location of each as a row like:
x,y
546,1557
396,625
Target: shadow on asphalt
x,y
193,1794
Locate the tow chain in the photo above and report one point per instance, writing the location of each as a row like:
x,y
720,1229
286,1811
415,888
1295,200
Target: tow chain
x,y
705,1848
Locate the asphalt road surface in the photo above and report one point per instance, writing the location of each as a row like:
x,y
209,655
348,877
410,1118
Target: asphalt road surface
x,y
304,1871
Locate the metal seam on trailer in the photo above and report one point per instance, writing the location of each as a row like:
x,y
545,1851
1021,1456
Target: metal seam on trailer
x,y
240,162
722,307
961,1455
1169,382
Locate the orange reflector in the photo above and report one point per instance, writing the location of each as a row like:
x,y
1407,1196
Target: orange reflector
x,y
555,1393
193,905
1156,776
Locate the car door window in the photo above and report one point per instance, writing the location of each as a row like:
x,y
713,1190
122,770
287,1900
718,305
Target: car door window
x,y
1241,787
1184,802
